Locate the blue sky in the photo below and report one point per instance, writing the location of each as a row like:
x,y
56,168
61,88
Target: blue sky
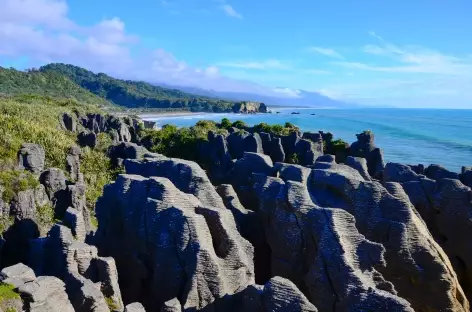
x,y
403,53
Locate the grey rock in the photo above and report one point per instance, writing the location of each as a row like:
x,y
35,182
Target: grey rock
x,y
289,142
187,176
364,147
108,277
148,124
416,265
17,275
73,163
321,251
69,122
178,245
87,139
217,157
314,137
172,305
23,205
249,164
126,150
31,157
438,172
54,180
45,294
236,143
253,144
327,159
308,151
293,172
360,164
40,196
266,142
74,219
466,176
277,151
395,172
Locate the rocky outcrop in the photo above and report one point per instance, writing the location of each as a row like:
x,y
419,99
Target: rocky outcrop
x,y
365,147
277,152
38,294
466,176
437,172
216,156
125,150
307,248
135,307
87,139
249,107
69,122
73,163
31,157
89,279
236,144
416,265
169,244
360,164
253,144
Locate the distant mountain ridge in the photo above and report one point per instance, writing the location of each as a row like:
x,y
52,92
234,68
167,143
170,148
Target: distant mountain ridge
x,y
303,99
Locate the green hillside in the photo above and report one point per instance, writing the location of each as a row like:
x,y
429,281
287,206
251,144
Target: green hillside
x,y
54,85
136,94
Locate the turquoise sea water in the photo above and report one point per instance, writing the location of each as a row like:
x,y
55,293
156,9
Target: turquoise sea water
x,y
408,136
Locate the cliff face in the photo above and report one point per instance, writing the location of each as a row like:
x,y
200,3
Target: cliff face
x,y
249,108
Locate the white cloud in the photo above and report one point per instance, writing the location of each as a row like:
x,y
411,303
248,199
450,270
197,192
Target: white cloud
x,y
230,11
325,51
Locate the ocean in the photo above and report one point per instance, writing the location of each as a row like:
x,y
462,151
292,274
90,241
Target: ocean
x,y
409,136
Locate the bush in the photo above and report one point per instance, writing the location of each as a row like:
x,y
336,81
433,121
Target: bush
x,y
225,123
292,159
7,292
239,124
14,181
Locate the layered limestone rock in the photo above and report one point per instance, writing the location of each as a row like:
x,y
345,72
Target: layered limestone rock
x,y
365,147
186,175
31,157
416,265
170,244
322,252
38,294
446,207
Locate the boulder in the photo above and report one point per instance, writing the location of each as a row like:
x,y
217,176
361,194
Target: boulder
x,y
126,150
69,122
87,138
416,265
23,205
395,172
249,164
438,172
266,142
308,151
55,183
276,150
45,294
17,275
253,144
31,157
172,305
169,244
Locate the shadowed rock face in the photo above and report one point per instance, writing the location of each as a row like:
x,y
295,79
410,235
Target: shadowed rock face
x,y
169,244
416,265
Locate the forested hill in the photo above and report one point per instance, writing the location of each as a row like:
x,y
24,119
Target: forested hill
x,y
137,94
72,82
55,85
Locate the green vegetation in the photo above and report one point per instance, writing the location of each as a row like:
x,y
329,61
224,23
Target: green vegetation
x,y
239,124
35,119
292,159
111,304
137,94
225,123
55,85
7,292
14,181
5,223
276,129
45,215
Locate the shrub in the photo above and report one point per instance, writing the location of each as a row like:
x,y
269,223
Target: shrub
x,y
14,181
111,304
292,159
225,123
7,292
239,124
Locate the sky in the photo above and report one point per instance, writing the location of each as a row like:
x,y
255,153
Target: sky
x,y
401,53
